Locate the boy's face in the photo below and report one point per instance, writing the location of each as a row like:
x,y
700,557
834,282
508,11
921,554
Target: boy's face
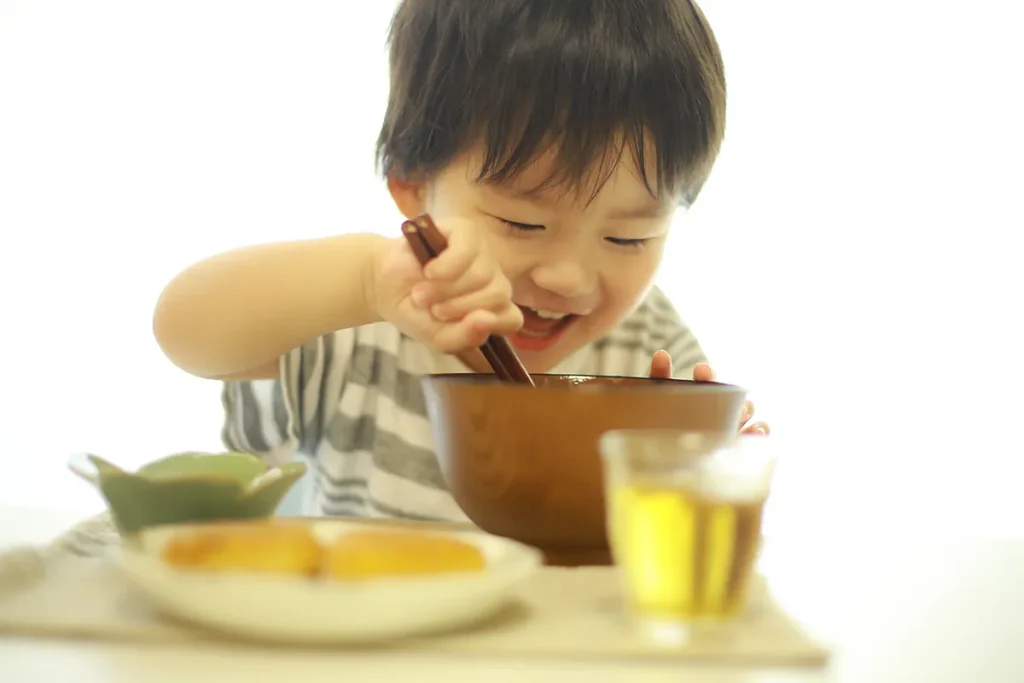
x,y
578,265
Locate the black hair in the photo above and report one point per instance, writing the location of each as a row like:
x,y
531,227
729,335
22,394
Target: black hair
x,y
582,77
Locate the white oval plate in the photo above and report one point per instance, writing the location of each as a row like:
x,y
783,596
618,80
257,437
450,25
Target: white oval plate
x,y
321,611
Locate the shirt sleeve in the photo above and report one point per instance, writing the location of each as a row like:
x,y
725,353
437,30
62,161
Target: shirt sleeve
x,y
670,333
275,419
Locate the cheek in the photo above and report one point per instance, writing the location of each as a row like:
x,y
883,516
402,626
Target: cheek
x,y
629,283
515,261
513,265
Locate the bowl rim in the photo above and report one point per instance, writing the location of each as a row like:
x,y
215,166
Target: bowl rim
x,y
84,465
659,384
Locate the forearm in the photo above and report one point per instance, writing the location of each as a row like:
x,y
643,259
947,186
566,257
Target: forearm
x,y
245,308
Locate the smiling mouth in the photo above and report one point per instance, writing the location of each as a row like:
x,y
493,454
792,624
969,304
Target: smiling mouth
x,y
541,329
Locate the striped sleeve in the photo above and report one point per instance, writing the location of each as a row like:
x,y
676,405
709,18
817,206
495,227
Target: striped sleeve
x,y
686,352
275,419
670,333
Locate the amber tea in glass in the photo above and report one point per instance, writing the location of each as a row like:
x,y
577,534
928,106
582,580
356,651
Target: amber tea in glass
x,y
684,521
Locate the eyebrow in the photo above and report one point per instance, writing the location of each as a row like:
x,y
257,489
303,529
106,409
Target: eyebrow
x,y
645,210
536,194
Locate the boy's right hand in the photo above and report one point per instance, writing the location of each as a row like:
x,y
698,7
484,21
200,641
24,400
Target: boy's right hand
x,y
455,302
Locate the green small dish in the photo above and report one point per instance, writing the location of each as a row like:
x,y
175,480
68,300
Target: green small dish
x,y
189,487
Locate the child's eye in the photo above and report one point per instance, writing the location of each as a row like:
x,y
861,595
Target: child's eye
x,y
629,243
523,227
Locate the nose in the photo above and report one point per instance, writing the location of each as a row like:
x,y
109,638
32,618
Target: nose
x,y
568,279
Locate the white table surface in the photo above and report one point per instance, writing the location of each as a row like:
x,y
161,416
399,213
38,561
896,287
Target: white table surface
x,y
896,611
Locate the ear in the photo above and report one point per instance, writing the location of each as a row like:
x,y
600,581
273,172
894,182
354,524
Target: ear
x,y
409,196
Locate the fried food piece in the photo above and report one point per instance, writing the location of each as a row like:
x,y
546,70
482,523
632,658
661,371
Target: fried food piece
x,y
368,554
263,548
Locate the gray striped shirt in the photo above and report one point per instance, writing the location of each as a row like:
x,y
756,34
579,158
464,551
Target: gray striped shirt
x,y
350,402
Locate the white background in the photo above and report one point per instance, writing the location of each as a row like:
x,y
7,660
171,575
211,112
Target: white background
x,y
855,260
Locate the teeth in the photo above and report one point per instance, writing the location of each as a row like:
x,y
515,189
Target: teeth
x,y
550,315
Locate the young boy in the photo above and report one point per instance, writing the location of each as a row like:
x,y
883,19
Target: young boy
x,y
552,143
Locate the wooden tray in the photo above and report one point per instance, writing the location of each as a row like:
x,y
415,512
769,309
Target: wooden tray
x,y
72,589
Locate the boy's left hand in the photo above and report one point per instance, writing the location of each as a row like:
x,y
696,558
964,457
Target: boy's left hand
x,y
661,366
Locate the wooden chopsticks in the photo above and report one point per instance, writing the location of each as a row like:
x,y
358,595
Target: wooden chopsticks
x,y
427,243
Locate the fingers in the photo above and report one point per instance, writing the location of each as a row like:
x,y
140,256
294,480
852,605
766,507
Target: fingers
x,y
464,271
464,293
462,251
748,412
471,331
455,301
661,365
474,329
494,297
756,429
702,372
476,305
480,274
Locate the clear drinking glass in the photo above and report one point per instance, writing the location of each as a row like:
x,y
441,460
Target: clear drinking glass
x,y
684,523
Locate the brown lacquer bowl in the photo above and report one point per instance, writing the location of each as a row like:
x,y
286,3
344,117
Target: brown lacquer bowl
x,y
523,462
